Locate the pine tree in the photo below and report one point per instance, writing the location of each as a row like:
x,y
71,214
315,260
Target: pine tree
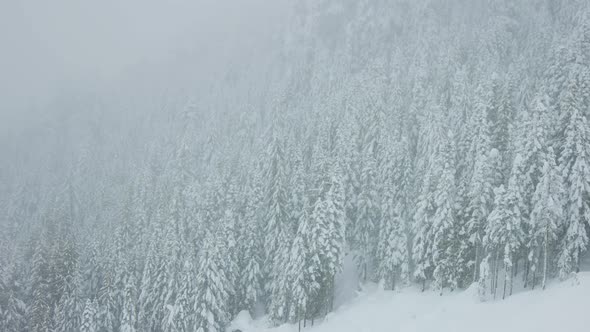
x,y
251,275
179,316
12,304
423,247
368,216
574,161
211,302
230,263
392,249
279,289
251,254
91,273
479,187
546,216
106,305
303,267
146,292
504,232
69,310
335,225
403,177
277,231
39,308
129,314
89,317
444,228
276,200
352,178
532,146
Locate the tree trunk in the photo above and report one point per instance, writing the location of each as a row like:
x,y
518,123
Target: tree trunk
x,y
333,286
506,276
476,267
496,272
545,247
527,268
534,281
511,279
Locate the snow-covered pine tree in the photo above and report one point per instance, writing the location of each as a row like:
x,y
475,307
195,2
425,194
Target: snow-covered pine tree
x,y
69,311
89,317
277,231
12,307
179,316
317,232
129,309
479,206
367,217
39,307
303,266
531,144
146,293
444,228
422,249
230,266
279,288
392,255
276,198
335,225
545,218
350,163
403,177
250,283
91,273
480,190
105,316
296,266
504,232
13,295
211,301
574,160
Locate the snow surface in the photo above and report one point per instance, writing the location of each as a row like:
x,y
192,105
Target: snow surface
x,y
563,306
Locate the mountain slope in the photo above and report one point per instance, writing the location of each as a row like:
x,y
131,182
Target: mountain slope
x,y
561,307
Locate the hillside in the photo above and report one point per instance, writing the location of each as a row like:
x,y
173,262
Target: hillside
x,y
252,157
560,307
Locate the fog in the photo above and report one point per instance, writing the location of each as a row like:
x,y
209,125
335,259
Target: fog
x,y
177,165
65,47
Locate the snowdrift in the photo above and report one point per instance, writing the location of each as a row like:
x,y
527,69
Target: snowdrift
x,y
563,306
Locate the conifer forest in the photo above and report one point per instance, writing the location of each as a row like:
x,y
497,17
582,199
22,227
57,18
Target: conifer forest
x,y
435,144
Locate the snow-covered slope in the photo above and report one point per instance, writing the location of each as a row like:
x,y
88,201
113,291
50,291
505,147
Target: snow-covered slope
x,y
561,307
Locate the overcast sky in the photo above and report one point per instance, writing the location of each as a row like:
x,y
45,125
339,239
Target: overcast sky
x,y
51,48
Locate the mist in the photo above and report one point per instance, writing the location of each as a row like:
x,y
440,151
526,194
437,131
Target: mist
x,y
67,47
289,165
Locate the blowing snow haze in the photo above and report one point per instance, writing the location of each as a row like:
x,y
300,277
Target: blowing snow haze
x,y
276,165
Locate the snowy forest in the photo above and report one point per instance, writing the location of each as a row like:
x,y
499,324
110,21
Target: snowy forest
x,y
439,144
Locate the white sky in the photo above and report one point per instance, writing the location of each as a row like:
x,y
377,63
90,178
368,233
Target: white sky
x,y
48,48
